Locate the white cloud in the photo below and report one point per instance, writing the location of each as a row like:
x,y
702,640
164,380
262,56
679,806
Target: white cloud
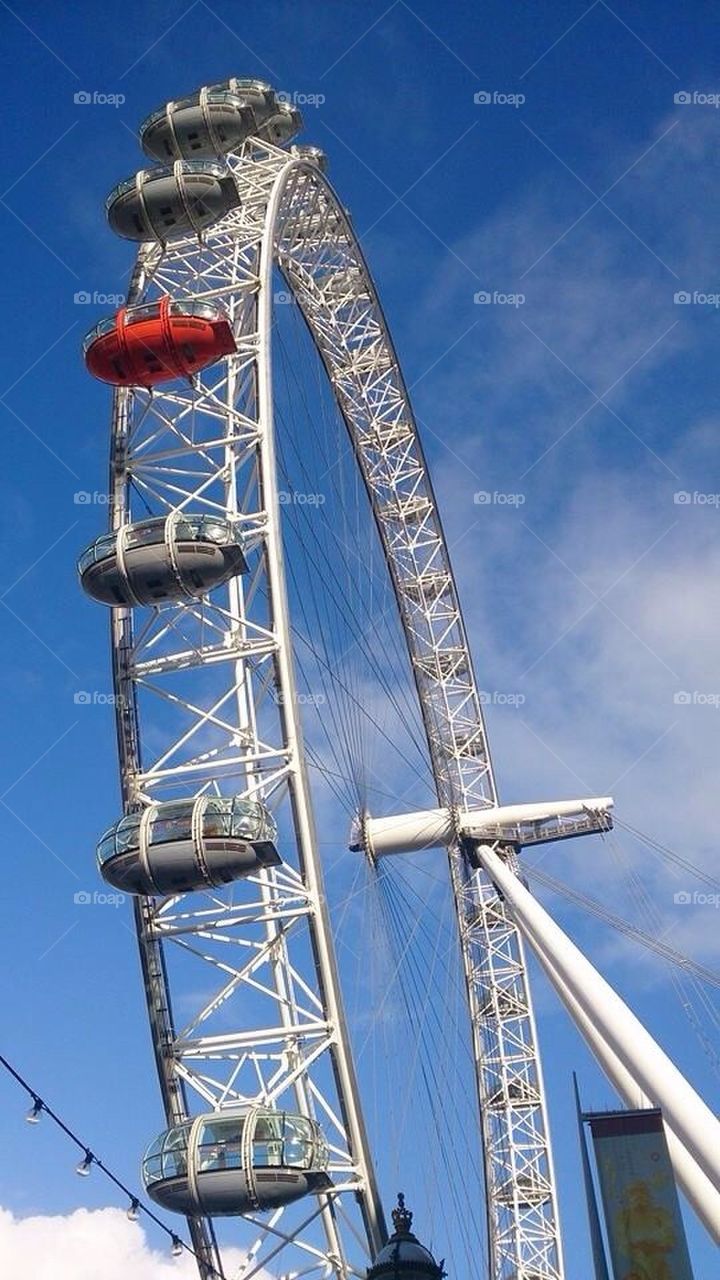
x,y
99,1244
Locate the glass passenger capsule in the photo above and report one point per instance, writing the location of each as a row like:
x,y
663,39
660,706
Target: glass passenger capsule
x,y
236,1161
178,846
146,345
167,558
170,201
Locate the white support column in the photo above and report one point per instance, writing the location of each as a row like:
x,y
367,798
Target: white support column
x,y
700,1192
688,1116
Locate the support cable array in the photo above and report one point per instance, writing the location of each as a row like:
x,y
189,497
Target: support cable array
x,y
579,899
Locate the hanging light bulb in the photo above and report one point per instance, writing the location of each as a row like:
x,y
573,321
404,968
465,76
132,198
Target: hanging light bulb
x,y
85,1165
133,1212
177,1247
35,1112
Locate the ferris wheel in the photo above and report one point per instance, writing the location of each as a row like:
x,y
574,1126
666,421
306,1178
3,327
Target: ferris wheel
x,y
221,602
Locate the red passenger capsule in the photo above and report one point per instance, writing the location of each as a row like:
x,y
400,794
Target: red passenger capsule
x,y
142,346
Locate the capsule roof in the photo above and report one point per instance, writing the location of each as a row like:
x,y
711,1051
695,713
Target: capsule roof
x,y
217,119
210,122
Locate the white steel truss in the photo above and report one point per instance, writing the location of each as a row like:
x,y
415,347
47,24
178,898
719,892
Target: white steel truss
x,y
206,702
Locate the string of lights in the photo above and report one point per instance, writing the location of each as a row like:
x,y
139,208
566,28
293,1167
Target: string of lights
x,y
90,1160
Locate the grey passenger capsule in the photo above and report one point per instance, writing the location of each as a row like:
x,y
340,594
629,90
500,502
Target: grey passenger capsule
x,y
162,560
164,203
235,1161
314,155
282,126
180,846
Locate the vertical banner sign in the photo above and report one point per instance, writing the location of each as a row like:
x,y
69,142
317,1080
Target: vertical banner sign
x,y
642,1213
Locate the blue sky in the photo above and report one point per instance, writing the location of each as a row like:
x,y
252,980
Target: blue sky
x,y
591,594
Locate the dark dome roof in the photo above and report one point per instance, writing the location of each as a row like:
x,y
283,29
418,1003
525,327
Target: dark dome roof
x,y
404,1257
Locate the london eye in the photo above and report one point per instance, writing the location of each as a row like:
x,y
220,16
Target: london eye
x,y
288,646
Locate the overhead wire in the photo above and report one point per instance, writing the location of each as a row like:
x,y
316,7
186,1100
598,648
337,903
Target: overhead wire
x,y
669,855
91,1160
629,930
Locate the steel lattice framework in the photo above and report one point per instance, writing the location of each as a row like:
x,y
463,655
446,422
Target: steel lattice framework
x,y
206,701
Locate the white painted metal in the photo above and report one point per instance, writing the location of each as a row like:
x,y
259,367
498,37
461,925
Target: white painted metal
x,y
228,455
209,447
516,824
650,1069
